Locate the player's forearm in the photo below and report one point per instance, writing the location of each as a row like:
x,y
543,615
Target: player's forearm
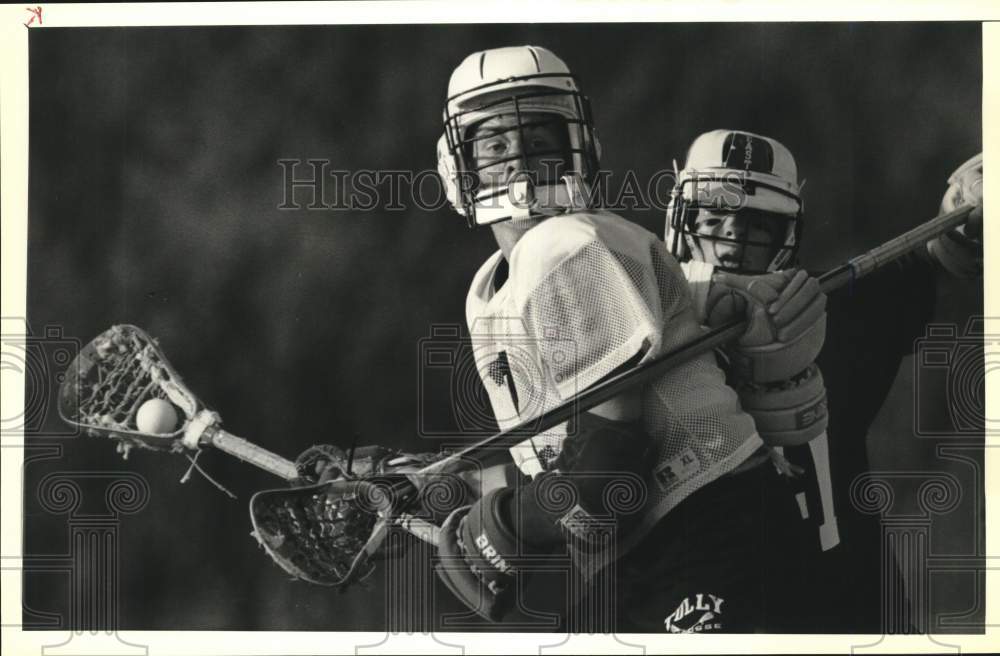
x,y
596,453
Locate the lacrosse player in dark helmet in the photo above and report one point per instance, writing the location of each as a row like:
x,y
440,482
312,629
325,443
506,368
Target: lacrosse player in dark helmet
x,y
737,208
574,295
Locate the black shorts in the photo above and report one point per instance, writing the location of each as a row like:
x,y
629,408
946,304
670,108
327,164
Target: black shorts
x,y
734,557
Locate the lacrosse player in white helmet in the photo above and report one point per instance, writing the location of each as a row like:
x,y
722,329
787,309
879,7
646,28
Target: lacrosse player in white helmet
x,y
737,207
574,295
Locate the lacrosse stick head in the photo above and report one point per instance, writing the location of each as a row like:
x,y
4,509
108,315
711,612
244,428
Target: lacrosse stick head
x,y
113,376
326,534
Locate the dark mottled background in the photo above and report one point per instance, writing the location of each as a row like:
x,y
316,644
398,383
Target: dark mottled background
x,y
154,188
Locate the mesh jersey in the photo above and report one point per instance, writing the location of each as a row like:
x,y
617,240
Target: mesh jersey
x,y
585,293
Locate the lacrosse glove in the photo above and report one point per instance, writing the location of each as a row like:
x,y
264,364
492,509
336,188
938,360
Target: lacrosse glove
x,y
476,549
786,314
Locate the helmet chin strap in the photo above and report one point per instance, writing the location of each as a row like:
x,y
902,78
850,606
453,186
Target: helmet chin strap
x,y
519,200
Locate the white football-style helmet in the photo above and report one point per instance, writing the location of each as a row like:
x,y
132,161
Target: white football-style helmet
x,y
736,170
512,82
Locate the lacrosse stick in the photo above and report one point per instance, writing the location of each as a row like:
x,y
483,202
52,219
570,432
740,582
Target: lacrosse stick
x,y
121,369
124,367
330,533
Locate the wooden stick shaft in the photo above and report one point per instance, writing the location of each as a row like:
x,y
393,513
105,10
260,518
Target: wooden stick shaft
x,y
423,529
252,454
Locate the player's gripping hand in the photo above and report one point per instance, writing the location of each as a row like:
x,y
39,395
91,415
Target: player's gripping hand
x,y
960,251
965,187
786,314
476,547
799,306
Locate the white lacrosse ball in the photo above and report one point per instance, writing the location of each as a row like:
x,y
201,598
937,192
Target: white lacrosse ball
x,y
156,416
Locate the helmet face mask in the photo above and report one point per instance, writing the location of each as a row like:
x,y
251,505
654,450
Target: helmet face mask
x,y
736,204
513,95
508,144
742,241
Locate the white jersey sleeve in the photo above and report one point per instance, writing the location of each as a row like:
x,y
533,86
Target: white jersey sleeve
x,y
587,290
